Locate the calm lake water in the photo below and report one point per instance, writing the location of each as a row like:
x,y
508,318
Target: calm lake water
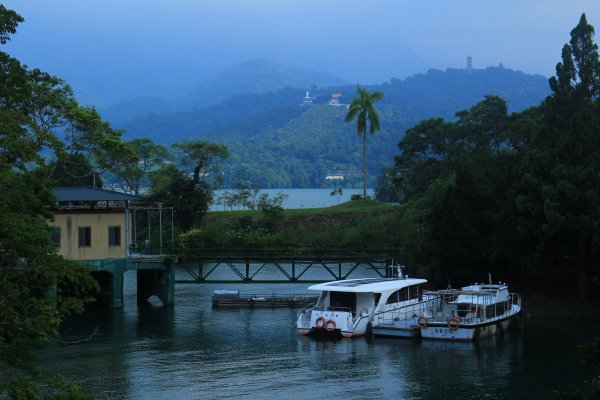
x,y
305,198
192,351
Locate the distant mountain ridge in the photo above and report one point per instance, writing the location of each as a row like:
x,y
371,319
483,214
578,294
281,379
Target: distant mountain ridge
x,y
260,76
251,77
275,142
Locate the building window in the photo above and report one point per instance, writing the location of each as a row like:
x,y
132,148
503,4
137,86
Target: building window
x,y
56,236
114,235
85,236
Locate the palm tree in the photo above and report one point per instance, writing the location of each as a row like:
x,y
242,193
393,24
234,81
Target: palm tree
x,y
364,107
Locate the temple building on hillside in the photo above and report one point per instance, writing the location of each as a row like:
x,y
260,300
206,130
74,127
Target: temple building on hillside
x,y
334,176
307,101
335,99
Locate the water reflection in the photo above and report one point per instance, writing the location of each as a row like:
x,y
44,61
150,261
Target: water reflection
x,y
193,351
105,368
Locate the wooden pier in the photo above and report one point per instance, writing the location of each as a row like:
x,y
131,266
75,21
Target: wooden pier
x,y
226,298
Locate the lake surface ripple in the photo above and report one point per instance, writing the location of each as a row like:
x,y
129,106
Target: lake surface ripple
x,y
192,351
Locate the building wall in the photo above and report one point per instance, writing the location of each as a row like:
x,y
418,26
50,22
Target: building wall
x,y
99,221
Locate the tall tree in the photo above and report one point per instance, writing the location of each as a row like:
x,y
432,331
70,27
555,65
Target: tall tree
x,y
202,156
136,171
363,109
450,173
75,171
560,182
189,199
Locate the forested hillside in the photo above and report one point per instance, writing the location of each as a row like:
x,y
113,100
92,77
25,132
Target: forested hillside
x,y
251,77
276,142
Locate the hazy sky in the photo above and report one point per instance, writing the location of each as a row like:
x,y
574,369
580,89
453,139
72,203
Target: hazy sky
x,y
114,49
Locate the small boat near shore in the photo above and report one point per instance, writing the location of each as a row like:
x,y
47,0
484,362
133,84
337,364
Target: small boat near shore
x,y
354,307
470,313
233,298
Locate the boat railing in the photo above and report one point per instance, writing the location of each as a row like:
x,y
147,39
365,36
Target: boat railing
x,y
305,315
330,308
354,318
515,299
482,309
443,296
405,315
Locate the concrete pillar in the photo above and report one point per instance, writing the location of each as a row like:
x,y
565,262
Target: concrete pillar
x,y
117,289
158,282
167,286
109,274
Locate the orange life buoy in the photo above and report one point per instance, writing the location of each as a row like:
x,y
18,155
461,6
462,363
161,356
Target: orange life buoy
x,y
320,322
330,321
453,323
422,322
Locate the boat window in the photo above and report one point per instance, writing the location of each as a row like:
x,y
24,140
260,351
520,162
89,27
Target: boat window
x,y
343,299
463,309
495,309
414,292
403,294
393,298
377,298
500,308
322,298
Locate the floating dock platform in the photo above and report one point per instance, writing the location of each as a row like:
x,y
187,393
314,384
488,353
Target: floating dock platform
x,y
233,298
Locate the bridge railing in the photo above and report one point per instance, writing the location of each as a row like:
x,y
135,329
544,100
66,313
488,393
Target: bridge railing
x,y
272,253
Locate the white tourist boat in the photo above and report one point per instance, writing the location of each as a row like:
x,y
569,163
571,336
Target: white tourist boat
x,y
356,307
470,313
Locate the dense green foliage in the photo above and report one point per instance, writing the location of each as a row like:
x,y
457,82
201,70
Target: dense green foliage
x,y
274,142
138,171
587,389
75,171
174,188
516,195
354,226
38,288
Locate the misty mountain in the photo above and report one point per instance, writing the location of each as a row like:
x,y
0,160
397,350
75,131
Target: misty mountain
x,y
251,77
257,76
276,142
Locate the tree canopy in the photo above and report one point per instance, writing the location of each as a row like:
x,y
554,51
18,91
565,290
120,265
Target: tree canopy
x,y
39,119
510,194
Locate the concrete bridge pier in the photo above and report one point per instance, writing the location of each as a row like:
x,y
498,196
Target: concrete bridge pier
x,y
111,288
158,282
153,279
109,274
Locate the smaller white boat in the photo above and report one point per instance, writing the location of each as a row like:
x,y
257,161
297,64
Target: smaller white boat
x,y
470,313
352,307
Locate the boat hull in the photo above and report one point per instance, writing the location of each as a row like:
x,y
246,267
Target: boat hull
x,y
332,323
466,333
406,328
396,332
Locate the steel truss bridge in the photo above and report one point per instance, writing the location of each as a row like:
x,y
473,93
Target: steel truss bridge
x,y
285,266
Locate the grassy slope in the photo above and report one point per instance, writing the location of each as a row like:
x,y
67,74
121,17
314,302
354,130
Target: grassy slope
x,y
358,224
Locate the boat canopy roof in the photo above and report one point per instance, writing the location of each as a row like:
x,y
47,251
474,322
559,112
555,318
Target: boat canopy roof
x,y
490,288
369,285
482,294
